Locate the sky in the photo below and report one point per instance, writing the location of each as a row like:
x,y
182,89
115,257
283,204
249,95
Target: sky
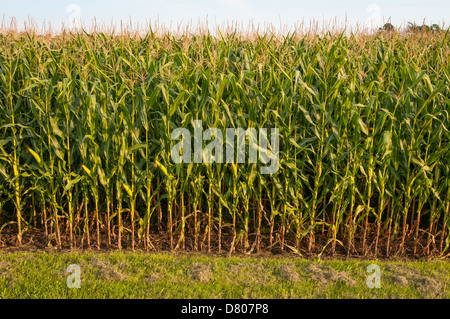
x,y
281,14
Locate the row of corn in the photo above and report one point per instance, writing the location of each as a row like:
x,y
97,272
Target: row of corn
x,y
85,141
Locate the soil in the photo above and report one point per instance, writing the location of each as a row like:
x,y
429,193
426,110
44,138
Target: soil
x,y
35,240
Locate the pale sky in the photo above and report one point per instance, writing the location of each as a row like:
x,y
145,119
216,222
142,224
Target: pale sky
x,y
217,12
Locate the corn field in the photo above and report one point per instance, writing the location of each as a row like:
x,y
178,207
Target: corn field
x,y
364,161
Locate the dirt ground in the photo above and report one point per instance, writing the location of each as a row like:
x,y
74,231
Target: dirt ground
x,y
36,240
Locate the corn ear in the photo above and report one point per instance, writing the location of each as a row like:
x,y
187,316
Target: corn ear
x,y
35,155
87,170
162,167
127,189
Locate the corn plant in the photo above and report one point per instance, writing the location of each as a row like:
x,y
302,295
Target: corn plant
x,y
85,142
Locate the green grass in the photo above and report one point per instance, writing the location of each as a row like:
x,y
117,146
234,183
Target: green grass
x,y
157,275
